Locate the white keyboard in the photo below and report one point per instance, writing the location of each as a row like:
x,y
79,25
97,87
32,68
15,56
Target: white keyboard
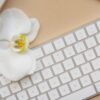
x,y
68,68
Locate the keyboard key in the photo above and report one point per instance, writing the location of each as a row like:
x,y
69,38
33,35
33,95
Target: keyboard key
x,y
75,85
90,42
98,37
81,94
97,49
70,39
48,61
86,68
36,78
75,73
58,68
64,90
65,77
26,82
4,92
96,63
22,95
79,59
97,85
89,54
11,98
33,91
39,66
80,34
98,24
54,82
85,81
53,94
95,76
69,51
15,87
47,73
68,64
80,47
42,97
38,53
4,81
59,43
43,87
58,56
91,29
48,48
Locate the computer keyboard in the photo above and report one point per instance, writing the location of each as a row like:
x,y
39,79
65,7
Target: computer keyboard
x,y
68,68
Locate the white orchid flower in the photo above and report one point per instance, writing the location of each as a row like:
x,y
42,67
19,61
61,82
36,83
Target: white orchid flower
x,y
16,32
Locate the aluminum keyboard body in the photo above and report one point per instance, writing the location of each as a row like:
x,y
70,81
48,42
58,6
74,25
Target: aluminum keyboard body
x,y
68,68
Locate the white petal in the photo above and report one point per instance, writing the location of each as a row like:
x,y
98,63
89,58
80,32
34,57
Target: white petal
x,y
15,66
35,25
13,22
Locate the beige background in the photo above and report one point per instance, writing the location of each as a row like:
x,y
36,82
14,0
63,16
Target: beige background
x,y
58,16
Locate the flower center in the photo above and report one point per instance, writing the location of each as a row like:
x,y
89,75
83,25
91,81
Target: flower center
x,y
20,43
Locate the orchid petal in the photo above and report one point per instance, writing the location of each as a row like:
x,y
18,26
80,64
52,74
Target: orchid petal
x,y
15,66
13,22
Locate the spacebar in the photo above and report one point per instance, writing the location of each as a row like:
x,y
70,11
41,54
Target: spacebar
x,y
81,94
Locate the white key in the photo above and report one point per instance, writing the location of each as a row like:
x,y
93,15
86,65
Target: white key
x,y
97,49
70,39
43,87
90,42
42,97
58,56
58,68
59,43
33,91
36,78
95,76
85,81
48,48
98,37
90,54
26,82
96,63
22,95
39,66
80,47
68,64
48,61
65,77
86,68
91,29
75,85
54,82
97,85
38,53
81,94
12,98
47,73
4,92
69,51
53,94
98,24
80,34
33,99
64,90
4,81
75,73
79,59
15,87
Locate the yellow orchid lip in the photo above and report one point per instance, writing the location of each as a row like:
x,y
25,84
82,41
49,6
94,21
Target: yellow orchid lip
x,y
20,43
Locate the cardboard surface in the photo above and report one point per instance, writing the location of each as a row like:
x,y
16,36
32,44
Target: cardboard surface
x,y
58,16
